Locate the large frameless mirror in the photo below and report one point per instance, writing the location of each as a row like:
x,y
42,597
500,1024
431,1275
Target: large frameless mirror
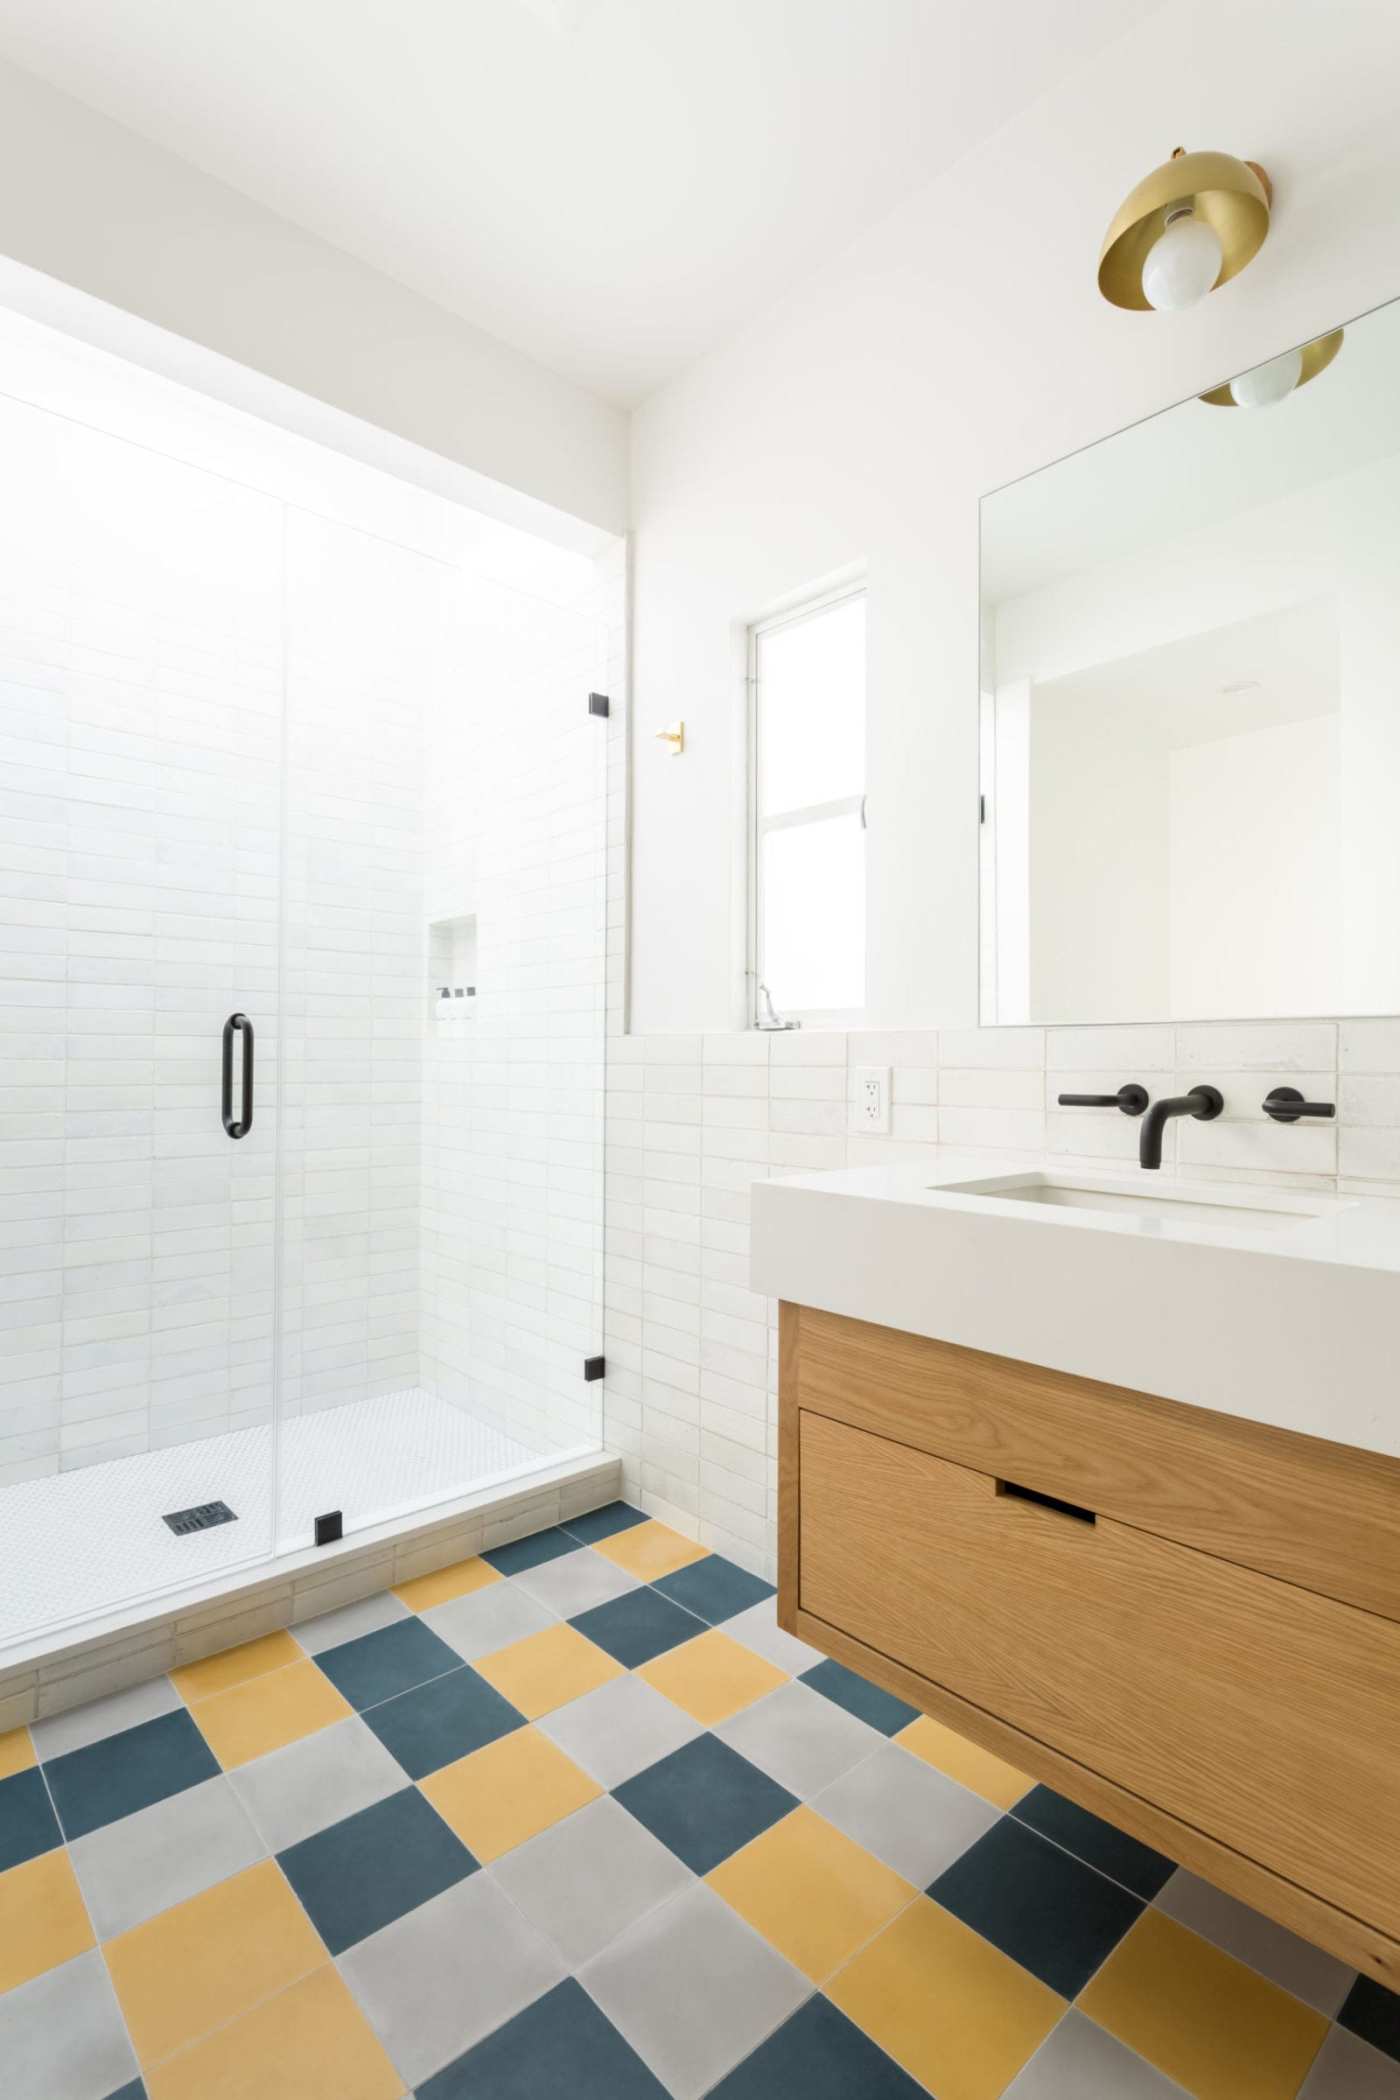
x,y
1190,728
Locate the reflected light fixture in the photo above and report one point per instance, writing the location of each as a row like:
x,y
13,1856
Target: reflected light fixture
x,y
1275,380
1190,225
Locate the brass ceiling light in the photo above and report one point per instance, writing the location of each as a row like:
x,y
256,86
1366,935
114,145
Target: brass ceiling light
x,y
1188,226
1279,377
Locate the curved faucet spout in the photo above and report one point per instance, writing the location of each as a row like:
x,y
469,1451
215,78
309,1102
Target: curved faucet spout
x,y
1204,1103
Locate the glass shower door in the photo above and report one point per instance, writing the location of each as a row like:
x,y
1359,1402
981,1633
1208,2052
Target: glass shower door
x,y
140,723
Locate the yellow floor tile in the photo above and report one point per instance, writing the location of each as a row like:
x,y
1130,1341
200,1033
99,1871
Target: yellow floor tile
x,y
711,1677
444,1584
1218,2028
205,1961
16,1753
959,2015
811,1891
972,1767
650,1550
547,1670
267,1712
511,1790
43,1919
311,2042
218,1673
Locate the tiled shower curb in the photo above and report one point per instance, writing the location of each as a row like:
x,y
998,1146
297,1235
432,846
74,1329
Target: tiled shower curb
x,y
49,1674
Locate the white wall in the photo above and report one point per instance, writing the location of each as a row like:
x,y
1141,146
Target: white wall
x,y
94,205
959,344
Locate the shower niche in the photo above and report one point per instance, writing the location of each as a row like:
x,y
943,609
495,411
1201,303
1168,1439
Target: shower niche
x,y
452,983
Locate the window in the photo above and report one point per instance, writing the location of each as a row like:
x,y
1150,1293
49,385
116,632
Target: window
x,y
807,866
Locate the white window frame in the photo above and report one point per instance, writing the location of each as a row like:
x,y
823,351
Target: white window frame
x,y
758,826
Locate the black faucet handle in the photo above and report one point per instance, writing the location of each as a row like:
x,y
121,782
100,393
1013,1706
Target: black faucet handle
x,y
1286,1105
1132,1099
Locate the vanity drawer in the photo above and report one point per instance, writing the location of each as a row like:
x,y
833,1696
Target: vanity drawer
x,y
1318,1514
1256,1712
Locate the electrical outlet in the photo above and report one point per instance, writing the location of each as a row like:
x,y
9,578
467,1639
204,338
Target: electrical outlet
x,y
871,1108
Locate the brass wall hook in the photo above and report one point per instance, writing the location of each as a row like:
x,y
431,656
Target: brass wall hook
x,y
674,736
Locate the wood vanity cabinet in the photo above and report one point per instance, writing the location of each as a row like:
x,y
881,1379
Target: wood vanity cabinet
x,y
1188,1623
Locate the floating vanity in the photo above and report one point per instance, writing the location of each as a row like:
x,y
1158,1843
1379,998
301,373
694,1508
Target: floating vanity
x,y
1107,1477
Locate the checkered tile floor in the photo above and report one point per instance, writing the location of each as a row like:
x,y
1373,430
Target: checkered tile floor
x,y
576,1821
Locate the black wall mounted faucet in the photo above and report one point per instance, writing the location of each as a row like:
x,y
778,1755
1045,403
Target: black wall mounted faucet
x,y
1204,1103
1132,1099
1285,1104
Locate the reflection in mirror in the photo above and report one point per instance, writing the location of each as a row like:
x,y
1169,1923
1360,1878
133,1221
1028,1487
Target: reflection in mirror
x,y
1190,733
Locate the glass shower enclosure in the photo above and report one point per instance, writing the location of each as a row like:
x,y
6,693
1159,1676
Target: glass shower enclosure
x,y
302,966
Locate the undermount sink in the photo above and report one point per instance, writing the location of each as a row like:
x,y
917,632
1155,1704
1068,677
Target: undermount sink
x,y
1184,1206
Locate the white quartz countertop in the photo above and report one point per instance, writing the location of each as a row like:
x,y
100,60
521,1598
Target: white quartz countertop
x,y
1291,1318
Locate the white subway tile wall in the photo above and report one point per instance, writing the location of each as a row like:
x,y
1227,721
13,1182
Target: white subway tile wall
x,y
694,1121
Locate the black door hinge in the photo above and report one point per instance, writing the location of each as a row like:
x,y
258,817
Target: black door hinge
x,y
598,704
981,809
594,1367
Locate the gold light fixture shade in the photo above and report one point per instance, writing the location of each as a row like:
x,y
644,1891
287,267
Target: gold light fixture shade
x,y
1231,196
1317,356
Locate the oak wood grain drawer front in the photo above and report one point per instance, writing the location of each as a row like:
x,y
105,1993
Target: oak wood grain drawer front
x,y
1257,1712
1311,1512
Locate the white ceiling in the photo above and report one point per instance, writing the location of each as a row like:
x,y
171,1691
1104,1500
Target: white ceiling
x,y
610,185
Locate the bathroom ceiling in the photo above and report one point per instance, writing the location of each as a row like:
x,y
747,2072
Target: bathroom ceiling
x,y
612,186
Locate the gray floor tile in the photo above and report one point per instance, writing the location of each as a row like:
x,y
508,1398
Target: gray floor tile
x,y
590,1878
758,1629
103,1717
488,1619
130,1869
292,1793
435,1981
803,1741
62,2036
619,1730
915,1819
575,1582
349,1621
1317,1978
693,1990
1080,2062
1349,2069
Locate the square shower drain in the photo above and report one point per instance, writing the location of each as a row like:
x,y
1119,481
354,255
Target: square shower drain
x,y
203,1517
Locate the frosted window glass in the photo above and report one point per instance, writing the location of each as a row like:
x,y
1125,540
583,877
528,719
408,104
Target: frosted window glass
x,y
811,710
813,892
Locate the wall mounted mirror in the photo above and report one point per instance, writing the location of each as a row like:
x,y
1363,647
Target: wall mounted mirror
x,y
1190,726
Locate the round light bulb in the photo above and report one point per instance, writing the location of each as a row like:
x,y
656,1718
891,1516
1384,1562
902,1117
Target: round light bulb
x,y
1268,383
1182,264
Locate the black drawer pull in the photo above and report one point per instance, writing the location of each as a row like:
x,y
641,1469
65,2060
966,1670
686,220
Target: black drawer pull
x,y
1065,1509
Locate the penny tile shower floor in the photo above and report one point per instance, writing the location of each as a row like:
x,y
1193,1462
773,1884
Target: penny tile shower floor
x,y
576,1821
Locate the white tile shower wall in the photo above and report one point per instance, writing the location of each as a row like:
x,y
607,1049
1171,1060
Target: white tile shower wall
x,y
140,702
516,829
367,661
694,1121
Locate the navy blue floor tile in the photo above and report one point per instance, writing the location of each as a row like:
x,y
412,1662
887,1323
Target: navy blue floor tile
x,y
818,2055
638,1626
115,1777
1112,1851
135,2091
28,1825
445,1719
532,1552
714,1589
604,1523
380,1665
560,2048
859,1696
1047,1910
1373,2012
363,1873
704,1801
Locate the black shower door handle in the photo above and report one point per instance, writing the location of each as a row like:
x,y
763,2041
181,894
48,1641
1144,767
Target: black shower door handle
x,y
238,1126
